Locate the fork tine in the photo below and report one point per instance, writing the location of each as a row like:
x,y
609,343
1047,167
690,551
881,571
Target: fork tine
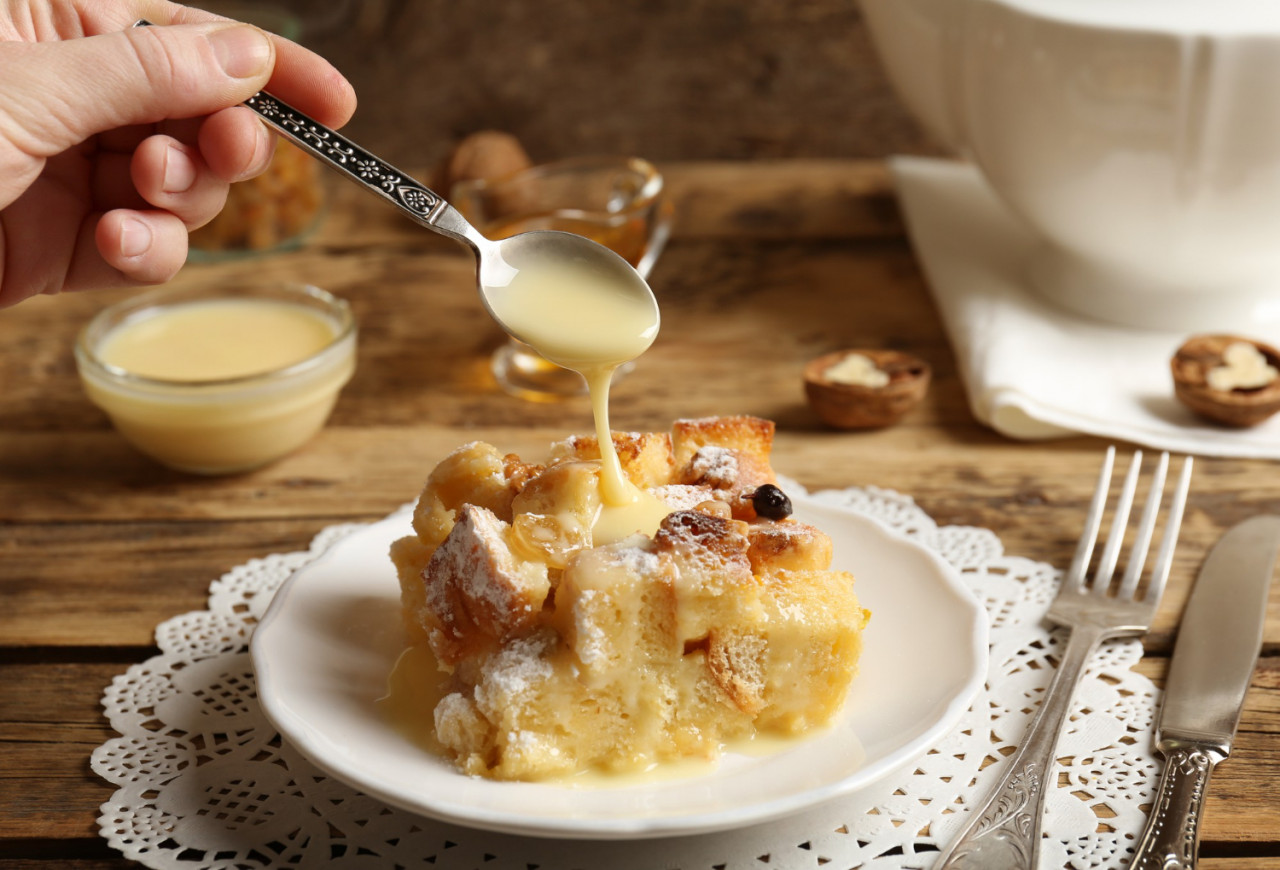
x,y
1111,552
1074,578
1160,571
1138,555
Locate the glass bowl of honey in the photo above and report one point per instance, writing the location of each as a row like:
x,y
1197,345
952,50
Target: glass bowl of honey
x,y
616,201
219,379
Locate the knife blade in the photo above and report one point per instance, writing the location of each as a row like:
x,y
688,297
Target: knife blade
x,y
1213,660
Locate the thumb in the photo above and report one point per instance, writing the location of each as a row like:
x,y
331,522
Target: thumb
x,y
60,93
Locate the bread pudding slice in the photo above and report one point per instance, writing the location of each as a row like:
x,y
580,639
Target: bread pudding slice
x,y
563,653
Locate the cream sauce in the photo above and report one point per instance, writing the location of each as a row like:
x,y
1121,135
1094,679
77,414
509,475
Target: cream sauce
x,y
592,322
416,685
216,340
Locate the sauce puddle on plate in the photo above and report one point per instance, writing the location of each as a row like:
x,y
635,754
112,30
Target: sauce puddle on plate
x,y
416,685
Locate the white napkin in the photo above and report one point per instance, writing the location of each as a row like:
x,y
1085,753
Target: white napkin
x,y
1031,369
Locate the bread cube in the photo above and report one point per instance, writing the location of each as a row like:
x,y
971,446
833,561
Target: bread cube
x,y
616,609
477,592
714,584
554,513
476,474
645,457
728,455
787,545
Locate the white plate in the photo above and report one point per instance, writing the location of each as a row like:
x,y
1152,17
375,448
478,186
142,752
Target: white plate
x,y
332,634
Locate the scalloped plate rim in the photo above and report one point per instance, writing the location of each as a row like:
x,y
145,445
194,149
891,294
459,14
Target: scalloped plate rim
x,y
290,687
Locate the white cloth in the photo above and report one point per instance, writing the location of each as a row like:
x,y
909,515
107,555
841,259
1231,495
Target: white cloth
x,y
1032,370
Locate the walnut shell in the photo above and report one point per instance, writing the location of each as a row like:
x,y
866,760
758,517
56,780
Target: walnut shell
x,y
1201,354
485,155
858,406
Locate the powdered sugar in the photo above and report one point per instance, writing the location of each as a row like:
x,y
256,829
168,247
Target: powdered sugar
x,y
681,496
637,560
592,641
513,673
475,570
715,466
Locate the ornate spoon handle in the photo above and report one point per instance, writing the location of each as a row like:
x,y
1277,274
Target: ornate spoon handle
x,y
1172,836
1004,832
340,153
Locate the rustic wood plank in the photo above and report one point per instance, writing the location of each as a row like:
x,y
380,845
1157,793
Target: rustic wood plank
x,y
50,721
716,79
363,474
809,199
110,585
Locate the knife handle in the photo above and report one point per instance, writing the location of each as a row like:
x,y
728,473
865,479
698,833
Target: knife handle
x,y
1171,839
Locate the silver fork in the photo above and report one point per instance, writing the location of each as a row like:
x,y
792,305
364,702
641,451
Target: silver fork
x,y
1004,833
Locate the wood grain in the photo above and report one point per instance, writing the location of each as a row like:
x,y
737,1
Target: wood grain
x,y
771,264
50,721
703,79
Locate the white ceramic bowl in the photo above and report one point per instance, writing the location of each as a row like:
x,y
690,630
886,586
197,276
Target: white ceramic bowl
x,y
1139,138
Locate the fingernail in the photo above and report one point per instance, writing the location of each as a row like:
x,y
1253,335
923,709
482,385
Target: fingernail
x,y
135,237
179,171
242,50
263,150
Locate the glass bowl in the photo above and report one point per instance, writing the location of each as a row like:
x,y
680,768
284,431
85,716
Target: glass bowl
x,y
219,400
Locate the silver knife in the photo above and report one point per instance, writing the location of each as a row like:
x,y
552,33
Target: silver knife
x,y
1213,661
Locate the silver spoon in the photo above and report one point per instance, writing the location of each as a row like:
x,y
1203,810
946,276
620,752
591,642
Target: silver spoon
x,y
498,262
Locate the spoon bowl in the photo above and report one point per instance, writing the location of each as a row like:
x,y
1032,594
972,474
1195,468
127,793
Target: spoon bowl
x,y
577,301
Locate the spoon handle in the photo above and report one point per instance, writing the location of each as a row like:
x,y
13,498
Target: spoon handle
x,y
415,199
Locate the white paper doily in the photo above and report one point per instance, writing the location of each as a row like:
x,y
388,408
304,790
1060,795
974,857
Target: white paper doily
x,y
205,782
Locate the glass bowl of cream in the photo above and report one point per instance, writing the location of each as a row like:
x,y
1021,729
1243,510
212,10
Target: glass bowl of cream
x,y
222,378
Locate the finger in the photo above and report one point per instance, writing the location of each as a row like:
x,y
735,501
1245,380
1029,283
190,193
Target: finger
x,y
125,140
60,93
129,247
301,78
310,84
235,144
172,176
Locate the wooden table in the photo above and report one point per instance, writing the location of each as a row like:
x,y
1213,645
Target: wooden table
x,y
771,264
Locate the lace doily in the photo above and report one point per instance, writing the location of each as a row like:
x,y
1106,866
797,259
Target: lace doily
x,y
205,781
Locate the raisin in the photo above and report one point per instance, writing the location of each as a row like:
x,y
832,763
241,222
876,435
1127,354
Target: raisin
x,y
771,502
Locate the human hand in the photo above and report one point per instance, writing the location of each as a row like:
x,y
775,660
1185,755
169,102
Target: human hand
x,y
115,141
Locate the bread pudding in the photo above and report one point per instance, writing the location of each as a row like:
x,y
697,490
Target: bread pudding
x,y
568,649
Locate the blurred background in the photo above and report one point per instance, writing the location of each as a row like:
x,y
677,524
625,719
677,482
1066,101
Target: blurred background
x,y
667,79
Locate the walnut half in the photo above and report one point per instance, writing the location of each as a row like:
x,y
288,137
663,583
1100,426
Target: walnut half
x,y
864,389
484,156
1228,379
